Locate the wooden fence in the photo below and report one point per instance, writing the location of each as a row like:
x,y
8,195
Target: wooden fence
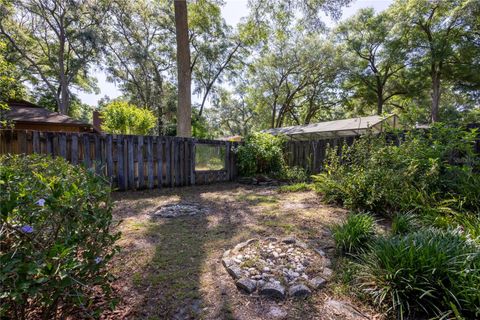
x,y
130,162
311,154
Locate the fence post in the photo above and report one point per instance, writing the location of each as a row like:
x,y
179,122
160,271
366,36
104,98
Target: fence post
x,y
192,162
149,162
141,171
159,161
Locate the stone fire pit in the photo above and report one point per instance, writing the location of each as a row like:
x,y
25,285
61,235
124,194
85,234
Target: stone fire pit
x,y
277,268
179,210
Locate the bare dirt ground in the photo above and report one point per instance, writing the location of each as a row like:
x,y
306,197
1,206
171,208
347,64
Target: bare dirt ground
x,y
169,268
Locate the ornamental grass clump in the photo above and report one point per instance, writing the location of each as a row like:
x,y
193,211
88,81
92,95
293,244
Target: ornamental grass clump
x,y
428,273
355,233
55,238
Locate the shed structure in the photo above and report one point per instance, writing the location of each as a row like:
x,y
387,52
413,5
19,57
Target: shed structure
x,y
28,116
338,128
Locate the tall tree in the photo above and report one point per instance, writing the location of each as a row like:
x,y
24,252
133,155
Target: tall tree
x,y
292,84
376,57
436,30
140,54
10,87
215,48
184,106
56,41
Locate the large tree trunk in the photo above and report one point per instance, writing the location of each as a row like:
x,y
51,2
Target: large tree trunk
x,y
379,96
436,92
184,107
63,83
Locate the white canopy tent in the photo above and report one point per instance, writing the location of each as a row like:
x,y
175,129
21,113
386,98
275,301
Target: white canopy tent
x,y
338,128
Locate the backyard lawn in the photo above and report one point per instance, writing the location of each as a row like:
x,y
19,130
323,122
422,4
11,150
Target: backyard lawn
x,y
170,268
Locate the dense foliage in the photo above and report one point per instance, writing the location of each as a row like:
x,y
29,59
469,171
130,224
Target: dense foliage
x,y
355,233
428,183
121,117
429,272
430,172
261,153
55,238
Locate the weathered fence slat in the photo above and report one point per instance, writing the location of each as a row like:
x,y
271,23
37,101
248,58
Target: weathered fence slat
x,y
141,172
159,161
149,162
129,162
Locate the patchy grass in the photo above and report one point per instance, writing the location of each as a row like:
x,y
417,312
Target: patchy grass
x,y
297,187
171,269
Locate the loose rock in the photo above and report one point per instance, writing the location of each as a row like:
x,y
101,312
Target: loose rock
x,y
327,273
317,283
273,290
234,271
246,284
299,290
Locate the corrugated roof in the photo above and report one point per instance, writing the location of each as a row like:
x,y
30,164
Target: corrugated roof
x,y
24,111
344,127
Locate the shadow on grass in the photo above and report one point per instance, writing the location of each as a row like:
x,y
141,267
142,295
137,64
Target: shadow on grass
x,y
181,276
173,281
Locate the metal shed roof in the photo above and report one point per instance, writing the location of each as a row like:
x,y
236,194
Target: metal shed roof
x,y
337,128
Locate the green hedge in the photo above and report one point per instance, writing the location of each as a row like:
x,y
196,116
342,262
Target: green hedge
x,y
55,238
433,173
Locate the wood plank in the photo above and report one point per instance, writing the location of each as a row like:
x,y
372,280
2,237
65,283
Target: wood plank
x,y
49,143
159,161
74,149
22,141
176,166
172,163
192,162
186,162
227,159
36,142
86,150
121,181
181,161
98,154
140,163
149,162
109,156
168,163
131,164
62,143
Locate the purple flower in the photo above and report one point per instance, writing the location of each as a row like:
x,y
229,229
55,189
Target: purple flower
x,y
98,260
27,229
40,202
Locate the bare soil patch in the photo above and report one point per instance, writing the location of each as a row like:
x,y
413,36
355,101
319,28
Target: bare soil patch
x,y
170,268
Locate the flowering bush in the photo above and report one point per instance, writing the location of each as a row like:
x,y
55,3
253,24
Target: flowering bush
x,y
55,238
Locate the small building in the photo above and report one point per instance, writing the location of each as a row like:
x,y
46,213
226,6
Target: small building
x,y
338,128
28,116
231,138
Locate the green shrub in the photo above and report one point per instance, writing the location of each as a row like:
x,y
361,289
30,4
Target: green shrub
x,y
121,117
297,187
404,223
294,174
261,153
430,272
355,234
429,172
54,238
